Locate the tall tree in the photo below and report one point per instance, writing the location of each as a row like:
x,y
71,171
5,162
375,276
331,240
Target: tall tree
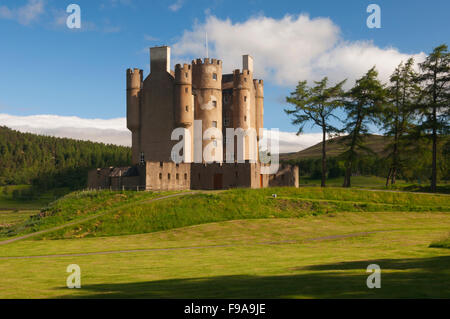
x,y
316,105
398,113
435,104
362,105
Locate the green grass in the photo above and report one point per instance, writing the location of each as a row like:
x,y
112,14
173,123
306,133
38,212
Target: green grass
x,y
442,243
74,206
295,267
376,182
8,202
242,243
239,204
10,218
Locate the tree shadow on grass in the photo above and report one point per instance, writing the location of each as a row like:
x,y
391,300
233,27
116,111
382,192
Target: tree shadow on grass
x,y
400,278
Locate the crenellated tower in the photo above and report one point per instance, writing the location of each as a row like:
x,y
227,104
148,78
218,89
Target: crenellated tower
x,y
184,102
134,87
207,90
244,111
259,106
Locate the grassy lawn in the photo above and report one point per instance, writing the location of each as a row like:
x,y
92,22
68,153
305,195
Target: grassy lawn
x,y
376,182
275,258
442,243
241,243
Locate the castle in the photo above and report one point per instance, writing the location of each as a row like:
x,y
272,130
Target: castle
x,y
205,104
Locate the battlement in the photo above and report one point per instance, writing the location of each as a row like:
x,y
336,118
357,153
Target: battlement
x,y
207,61
134,78
186,67
259,88
242,80
183,74
238,72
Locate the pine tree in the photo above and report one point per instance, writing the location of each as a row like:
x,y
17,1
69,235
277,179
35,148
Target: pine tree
x,y
316,105
363,105
434,109
398,114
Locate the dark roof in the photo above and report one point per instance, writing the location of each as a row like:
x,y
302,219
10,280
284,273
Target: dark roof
x,y
123,171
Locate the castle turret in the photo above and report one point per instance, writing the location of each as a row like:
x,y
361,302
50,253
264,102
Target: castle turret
x,y
134,86
207,87
184,103
259,105
244,112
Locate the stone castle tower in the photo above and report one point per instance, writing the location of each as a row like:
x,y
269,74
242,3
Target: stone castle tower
x,y
200,99
169,99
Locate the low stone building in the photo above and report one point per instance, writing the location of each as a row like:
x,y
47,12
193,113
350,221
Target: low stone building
x,y
198,98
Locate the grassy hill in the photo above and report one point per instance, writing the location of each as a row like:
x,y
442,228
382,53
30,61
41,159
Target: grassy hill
x,y
305,243
130,212
335,147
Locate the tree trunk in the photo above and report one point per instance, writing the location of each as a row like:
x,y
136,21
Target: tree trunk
x,y
324,158
394,160
433,166
394,173
348,173
388,176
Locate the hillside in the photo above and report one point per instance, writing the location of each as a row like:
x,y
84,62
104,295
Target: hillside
x,y
125,213
335,147
47,161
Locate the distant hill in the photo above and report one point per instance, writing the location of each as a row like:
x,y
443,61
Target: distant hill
x,y
48,161
335,147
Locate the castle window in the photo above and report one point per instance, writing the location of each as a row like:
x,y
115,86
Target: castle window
x,y
245,79
245,118
160,164
186,74
214,123
142,158
177,164
214,103
177,176
168,176
186,90
214,76
185,176
160,176
245,99
187,108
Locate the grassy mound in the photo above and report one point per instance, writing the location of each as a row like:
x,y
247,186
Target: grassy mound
x,y
75,206
239,204
443,243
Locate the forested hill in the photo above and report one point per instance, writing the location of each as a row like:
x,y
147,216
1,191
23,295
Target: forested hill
x,y
49,162
335,147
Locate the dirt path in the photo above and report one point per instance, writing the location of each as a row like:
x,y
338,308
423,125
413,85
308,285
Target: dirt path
x,y
284,242
8,241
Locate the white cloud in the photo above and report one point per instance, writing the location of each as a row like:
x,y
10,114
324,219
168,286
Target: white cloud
x,y
26,14
290,142
286,50
114,131
177,5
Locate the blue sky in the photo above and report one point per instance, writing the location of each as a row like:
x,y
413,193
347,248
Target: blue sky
x,y
49,69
